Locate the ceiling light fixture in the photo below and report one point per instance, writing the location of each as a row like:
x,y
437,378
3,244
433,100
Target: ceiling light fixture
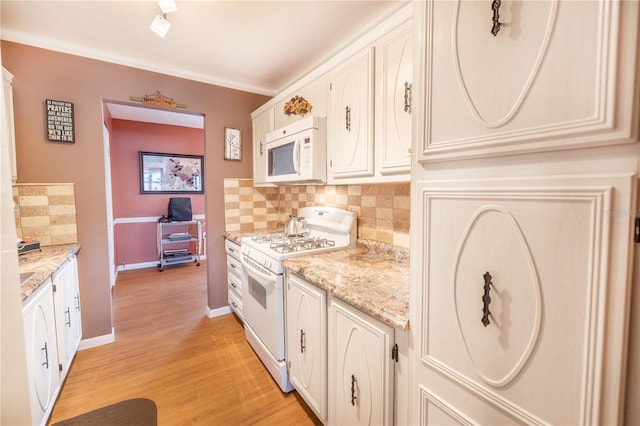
x,y
160,25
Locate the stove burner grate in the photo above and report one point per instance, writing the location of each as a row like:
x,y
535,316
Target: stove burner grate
x,y
301,244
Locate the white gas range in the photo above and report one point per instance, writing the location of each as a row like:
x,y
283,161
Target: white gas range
x,y
327,229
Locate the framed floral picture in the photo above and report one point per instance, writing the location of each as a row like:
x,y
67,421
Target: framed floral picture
x,y
171,173
232,144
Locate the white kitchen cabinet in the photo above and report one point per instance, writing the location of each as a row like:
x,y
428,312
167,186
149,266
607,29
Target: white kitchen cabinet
x,y
394,82
370,116
8,130
42,352
350,120
66,296
234,277
316,93
557,75
262,124
306,323
360,367
519,299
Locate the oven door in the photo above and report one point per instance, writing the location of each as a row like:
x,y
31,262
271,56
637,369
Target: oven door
x,y
263,305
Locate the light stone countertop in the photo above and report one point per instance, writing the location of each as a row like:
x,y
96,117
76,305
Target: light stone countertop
x,y
43,264
236,236
372,277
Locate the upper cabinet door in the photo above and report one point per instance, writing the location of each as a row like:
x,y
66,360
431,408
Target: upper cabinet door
x,y
262,124
556,74
351,118
395,81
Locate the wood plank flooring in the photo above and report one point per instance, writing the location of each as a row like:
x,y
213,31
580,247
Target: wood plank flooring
x,y
198,370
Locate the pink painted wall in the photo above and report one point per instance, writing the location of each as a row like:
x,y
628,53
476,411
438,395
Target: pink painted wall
x,y
41,74
136,242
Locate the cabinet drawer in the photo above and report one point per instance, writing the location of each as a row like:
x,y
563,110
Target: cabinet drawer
x,y
235,286
235,304
232,249
234,267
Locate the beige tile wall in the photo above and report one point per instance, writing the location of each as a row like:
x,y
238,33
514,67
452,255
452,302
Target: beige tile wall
x,y
46,212
382,209
248,208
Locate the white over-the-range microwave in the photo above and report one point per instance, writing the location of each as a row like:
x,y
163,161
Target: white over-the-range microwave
x,y
297,153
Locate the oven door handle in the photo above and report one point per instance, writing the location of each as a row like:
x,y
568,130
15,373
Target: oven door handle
x,y
264,277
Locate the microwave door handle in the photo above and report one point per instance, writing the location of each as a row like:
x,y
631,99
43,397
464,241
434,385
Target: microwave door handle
x,y
296,155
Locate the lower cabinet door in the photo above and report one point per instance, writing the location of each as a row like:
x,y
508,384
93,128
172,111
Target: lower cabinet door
x,y
307,343
42,353
67,308
360,371
519,310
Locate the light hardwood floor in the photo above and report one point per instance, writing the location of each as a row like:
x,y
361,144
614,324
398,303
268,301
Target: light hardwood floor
x,y
198,370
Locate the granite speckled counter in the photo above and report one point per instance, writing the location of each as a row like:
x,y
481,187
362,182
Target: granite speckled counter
x,y
373,277
43,264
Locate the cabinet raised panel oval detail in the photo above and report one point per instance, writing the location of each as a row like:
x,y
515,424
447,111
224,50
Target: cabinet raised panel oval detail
x,y
482,83
359,385
351,131
493,241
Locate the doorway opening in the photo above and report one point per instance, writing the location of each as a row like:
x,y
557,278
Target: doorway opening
x,y
132,216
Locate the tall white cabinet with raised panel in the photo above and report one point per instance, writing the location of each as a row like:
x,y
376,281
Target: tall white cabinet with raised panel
x,y
557,75
523,206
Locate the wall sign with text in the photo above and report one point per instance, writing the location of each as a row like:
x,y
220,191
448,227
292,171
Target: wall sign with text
x,y
60,126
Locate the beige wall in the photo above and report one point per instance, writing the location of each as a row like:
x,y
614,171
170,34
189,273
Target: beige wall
x,y
41,74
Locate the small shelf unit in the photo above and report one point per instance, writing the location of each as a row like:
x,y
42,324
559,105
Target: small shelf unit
x,y
179,242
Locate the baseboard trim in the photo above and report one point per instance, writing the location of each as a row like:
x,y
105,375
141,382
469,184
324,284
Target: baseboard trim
x,y
144,265
212,313
98,340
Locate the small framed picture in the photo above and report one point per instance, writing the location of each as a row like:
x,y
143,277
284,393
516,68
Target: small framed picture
x,y
232,144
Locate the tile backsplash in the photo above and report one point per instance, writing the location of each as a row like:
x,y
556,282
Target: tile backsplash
x,y
382,209
46,212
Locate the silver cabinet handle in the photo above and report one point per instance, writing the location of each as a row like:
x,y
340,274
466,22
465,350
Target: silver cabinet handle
x,y
302,347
